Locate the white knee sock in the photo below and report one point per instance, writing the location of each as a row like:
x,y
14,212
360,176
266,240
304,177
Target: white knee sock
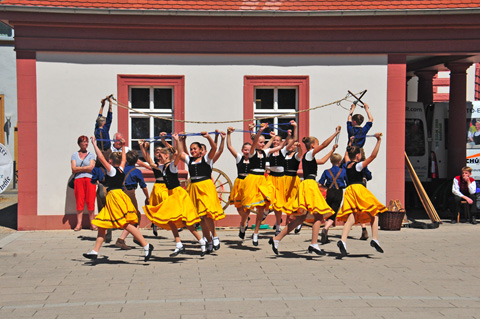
x,y
146,249
179,245
276,243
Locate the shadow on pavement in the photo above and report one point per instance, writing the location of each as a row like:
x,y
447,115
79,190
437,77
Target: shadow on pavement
x,y
8,216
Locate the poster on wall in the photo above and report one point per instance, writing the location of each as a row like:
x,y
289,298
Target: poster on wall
x,y
473,138
6,168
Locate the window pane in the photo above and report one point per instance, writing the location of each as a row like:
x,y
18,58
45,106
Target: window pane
x,y
140,128
287,98
415,136
267,130
162,126
162,99
140,98
282,129
264,99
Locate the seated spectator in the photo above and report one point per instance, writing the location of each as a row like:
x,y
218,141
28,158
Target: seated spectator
x,y
465,188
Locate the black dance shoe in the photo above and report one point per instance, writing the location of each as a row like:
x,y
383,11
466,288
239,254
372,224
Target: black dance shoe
x,y
155,230
90,256
216,247
241,234
178,251
271,242
316,251
150,249
343,251
376,246
298,229
254,242
209,248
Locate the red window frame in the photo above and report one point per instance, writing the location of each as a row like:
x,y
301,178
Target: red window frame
x,y
300,81
125,81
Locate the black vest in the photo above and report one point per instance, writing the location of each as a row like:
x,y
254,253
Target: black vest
x,y
476,139
115,182
201,169
257,163
278,161
353,176
242,168
158,176
309,168
171,179
291,166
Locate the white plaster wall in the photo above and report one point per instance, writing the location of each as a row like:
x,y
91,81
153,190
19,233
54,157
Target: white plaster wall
x,y
8,87
471,83
70,87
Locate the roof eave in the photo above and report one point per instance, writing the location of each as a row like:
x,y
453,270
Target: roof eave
x,y
251,13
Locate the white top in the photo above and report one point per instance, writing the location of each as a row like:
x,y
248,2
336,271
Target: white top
x,y
472,188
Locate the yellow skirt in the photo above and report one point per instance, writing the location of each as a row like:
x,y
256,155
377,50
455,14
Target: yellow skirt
x,y
236,194
358,200
257,192
159,194
278,197
311,200
205,199
118,211
176,208
291,194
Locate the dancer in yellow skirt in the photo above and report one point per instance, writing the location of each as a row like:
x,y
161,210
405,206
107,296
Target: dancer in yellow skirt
x,y
243,167
277,174
201,189
310,200
292,182
119,211
257,191
359,204
177,210
159,190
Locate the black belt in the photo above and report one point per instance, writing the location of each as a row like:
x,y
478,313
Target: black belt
x,y
201,179
287,173
277,174
130,187
159,182
310,177
257,173
241,177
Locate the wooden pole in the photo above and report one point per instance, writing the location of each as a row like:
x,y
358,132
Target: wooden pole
x,y
427,204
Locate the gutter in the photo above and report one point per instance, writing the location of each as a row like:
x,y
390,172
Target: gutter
x,y
245,13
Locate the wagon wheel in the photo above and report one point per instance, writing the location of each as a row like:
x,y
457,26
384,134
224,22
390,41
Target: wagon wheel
x,y
223,184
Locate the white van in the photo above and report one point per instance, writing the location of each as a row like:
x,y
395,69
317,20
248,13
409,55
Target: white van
x,y
416,145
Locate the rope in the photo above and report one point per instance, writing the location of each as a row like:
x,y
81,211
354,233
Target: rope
x,y
337,102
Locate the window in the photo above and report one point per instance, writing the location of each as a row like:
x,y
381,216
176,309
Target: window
x,y
157,101
266,96
6,33
275,101
159,95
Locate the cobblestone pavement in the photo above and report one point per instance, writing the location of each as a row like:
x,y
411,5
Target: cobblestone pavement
x,y
422,274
